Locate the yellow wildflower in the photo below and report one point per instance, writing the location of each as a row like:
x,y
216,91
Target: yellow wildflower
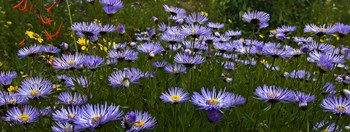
x,y
261,36
263,61
2,12
8,22
229,20
97,21
12,88
1,64
57,87
204,13
336,36
272,30
83,41
35,36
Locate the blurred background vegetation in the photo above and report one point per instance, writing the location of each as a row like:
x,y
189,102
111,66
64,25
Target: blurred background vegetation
x,y
137,13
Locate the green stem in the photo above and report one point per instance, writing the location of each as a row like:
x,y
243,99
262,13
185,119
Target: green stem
x,y
71,23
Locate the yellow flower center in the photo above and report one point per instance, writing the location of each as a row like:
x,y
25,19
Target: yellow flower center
x,y
34,92
71,116
193,31
325,130
340,108
274,95
139,124
23,117
96,118
12,101
175,97
213,101
70,62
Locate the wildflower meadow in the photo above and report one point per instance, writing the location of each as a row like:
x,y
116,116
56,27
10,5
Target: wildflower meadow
x,y
174,65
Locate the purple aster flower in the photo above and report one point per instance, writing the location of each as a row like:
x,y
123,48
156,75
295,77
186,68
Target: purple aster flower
x,y
50,49
222,38
172,35
64,127
111,62
286,29
326,127
29,51
299,74
7,77
154,19
229,65
93,116
336,105
24,115
188,60
121,29
150,49
175,69
3,96
318,30
279,36
229,57
215,26
81,81
124,78
136,121
272,68
326,48
92,62
45,111
64,46
302,40
325,61
341,29
162,27
195,30
250,62
195,46
72,99
69,114
276,50
85,29
112,6
127,54
35,87
328,88
69,61
231,33
272,94
215,115
174,10
303,99
257,17
174,47
108,28
14,99
160,64
223,47
196,18
209,100
175,95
